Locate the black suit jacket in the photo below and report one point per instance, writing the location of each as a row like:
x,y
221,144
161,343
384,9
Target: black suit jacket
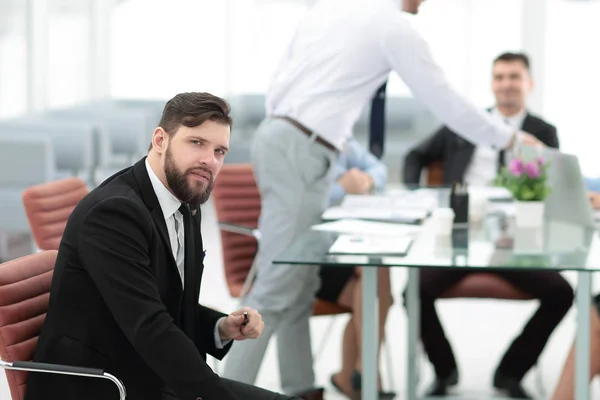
x,y
117,302
456,153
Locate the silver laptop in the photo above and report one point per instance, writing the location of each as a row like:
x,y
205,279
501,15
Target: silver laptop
x,y
568,201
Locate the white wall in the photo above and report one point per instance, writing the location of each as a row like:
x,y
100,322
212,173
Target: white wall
x,y
159,48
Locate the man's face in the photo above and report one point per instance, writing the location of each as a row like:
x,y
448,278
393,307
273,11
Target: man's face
x,y
411,6
193,159
511,83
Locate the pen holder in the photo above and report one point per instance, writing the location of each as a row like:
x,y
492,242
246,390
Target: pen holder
x,y
459,202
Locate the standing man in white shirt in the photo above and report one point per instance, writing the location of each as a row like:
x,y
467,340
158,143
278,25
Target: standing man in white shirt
x,y
341,53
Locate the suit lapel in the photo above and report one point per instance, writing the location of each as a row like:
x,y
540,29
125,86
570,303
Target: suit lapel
x,y
529,124
151,201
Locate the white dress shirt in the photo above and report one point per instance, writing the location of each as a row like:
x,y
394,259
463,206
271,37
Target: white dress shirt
x,y
483,168
169,205
343,50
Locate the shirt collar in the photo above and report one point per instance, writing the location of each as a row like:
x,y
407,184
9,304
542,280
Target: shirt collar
x,y
516,121
168,202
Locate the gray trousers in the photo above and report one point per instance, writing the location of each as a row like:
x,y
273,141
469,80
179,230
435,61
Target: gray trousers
x,y
293,174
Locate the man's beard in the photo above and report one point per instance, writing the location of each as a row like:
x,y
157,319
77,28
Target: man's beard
x,y
190,193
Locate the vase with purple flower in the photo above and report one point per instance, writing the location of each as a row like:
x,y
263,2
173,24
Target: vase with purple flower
x,y
526,180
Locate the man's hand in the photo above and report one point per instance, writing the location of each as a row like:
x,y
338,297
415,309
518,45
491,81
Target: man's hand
x,y
595,200
526,139
355,181
241,325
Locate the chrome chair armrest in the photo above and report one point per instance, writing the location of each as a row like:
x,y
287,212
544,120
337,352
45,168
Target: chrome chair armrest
x,y
240,229
31,366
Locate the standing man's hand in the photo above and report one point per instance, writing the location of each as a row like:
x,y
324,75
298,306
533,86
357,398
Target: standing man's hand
x,y
242,324
526,139
355,181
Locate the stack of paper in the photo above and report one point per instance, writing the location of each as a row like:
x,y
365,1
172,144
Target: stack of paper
x,y
376,214
370,228
363,245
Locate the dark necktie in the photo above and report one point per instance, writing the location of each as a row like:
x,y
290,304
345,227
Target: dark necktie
x,y
189,304
377,122
501,154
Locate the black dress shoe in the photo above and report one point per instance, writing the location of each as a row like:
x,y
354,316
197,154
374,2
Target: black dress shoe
x,y
510,386
440,386
356,380
313,394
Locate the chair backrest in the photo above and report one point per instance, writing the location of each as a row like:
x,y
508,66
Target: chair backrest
x,y
237,201
48,207
24,295
482,285
435,174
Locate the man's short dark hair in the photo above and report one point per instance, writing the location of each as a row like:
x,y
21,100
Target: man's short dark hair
x,y
193,109
507,57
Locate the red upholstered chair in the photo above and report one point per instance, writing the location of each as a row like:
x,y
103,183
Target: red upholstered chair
x,y
48,207
24,294
435,174
237,203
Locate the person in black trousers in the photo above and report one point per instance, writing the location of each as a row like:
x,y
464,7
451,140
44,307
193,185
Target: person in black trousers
x,y
478,166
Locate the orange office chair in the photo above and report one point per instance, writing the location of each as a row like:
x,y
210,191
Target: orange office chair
x,y
24,295
48,207
435,174
237,203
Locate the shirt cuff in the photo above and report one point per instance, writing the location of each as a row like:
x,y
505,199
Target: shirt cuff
x,y
219,344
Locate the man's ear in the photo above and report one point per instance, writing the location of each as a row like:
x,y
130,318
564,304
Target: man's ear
x,y
160,140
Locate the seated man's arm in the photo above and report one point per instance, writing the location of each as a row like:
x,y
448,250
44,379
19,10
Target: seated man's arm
x,y
429,151
359,157
337,191
207,330
114,249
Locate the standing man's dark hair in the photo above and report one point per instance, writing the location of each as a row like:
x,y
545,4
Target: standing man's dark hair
x,y
508,57
192,109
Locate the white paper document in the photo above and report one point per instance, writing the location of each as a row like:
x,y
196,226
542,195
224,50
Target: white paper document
x,y
368,228
490,192
373,245
375,214
410,199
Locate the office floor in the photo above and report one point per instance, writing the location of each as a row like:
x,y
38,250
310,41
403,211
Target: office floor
x,y
479,330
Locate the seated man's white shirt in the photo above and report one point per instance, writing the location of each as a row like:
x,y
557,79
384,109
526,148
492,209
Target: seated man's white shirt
x,y
484,165
170,204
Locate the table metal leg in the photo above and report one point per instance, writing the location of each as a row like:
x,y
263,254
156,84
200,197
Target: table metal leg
x,y
370,333
414,322
582,344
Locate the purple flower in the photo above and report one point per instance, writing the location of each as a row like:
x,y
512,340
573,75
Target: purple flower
x,y
533,169
516,167
540,161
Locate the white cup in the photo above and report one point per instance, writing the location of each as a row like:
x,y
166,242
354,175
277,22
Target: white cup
x,y
477,207
443,220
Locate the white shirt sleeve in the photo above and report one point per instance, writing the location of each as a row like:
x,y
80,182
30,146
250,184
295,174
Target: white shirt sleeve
x,y
218,342
409,55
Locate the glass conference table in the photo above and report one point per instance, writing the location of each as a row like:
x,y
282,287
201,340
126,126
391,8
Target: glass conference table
x,y
494,243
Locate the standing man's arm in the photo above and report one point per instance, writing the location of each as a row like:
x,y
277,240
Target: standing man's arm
x,y
427,152
114,248
409,55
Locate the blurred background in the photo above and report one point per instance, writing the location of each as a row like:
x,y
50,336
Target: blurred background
x,y
98,72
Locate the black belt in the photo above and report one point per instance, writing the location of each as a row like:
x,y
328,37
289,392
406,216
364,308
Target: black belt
x,y
307,132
